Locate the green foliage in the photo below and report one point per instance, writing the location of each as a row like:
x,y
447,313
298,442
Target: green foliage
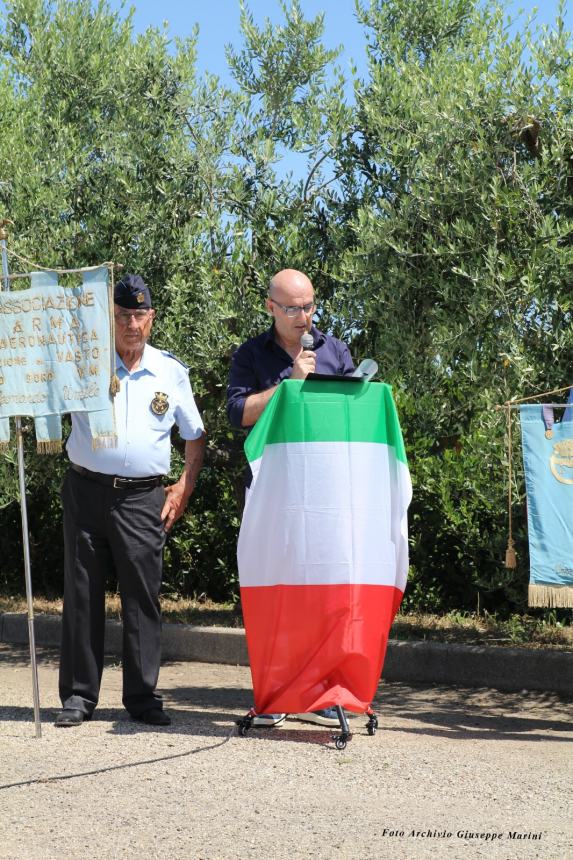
x,y
43,479
462,263
436,222
113,149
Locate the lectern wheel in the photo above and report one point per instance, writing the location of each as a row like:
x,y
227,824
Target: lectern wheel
x,y
243,726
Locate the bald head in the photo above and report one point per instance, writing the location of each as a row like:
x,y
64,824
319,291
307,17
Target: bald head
x,y
287,280
290,290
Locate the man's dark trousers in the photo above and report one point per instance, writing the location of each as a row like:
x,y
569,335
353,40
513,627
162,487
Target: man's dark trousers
x,y
108,531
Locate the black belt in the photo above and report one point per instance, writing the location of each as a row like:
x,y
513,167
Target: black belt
x,y
116,481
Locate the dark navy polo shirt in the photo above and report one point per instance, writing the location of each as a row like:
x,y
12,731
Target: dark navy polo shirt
x,y
260,363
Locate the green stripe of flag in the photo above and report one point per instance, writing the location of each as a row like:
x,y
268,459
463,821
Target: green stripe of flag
x,y
315,411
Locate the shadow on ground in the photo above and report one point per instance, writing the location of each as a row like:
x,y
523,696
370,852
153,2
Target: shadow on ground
x,y
439,711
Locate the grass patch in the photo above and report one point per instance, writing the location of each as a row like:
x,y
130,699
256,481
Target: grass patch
x,y
199,611
485,629
453,627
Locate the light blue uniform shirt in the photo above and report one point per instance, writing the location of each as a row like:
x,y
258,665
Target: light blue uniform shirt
x,y
143,437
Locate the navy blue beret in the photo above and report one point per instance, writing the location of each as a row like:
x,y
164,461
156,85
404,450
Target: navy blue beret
x,y
131,292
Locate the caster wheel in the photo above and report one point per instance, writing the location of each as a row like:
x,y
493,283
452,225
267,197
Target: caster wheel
x,y
243,726
340,743
372,725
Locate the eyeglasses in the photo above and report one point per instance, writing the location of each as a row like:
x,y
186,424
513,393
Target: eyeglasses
x,y
123,317
294,310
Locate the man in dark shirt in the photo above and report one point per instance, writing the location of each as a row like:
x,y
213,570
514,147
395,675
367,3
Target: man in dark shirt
x,y
259,366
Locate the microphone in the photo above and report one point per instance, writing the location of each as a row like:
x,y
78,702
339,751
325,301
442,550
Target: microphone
x,y
366,369
307,340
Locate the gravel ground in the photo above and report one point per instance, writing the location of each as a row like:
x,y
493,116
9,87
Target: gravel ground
x,y
451,773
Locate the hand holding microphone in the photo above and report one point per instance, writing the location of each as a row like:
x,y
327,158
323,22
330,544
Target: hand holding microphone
x,y
305,363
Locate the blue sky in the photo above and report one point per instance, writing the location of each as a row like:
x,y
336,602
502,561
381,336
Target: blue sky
x,y
219,23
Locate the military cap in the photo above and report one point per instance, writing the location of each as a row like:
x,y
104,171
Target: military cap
x,y
131,292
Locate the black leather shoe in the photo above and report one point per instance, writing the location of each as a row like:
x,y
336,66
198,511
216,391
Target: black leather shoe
x,y
71,717
154,717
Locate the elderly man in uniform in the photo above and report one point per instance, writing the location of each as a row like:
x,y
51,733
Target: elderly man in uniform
x,y
258,367
117,513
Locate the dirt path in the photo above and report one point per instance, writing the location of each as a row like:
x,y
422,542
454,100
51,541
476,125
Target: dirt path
x,y
453,773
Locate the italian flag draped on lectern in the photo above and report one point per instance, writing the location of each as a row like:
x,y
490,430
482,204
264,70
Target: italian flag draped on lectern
x,y
323,551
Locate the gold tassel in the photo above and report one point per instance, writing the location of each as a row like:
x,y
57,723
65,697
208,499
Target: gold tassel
x,y
114,385
553,596
53,446
4,447
104,442
510,556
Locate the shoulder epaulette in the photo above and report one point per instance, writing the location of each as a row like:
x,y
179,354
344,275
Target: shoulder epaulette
x,y
174,357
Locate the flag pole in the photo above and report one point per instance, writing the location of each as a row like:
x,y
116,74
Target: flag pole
x,y
519,405
24,513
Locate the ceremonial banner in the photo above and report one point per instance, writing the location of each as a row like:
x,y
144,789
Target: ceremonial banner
x,y
56,356
323,551
548,463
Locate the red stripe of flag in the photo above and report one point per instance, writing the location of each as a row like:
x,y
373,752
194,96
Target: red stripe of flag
x,y
309,646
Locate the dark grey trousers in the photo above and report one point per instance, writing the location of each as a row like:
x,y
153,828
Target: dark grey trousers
x,y
110,531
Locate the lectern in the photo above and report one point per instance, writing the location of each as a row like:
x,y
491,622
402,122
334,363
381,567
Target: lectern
x,y
323,549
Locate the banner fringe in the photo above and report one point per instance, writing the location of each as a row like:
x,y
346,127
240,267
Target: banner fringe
x,y
50,446
104,442
4,447
554,596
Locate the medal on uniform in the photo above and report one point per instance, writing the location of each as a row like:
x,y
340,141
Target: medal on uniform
x,y
160,403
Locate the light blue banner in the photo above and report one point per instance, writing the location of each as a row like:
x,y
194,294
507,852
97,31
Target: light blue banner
x,y
548,462
55,354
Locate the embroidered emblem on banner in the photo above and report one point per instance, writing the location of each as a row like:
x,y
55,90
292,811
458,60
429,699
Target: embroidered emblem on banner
x,y
561,461
160,403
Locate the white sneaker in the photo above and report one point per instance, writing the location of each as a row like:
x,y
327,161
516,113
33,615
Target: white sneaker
x,y
326,717
268,721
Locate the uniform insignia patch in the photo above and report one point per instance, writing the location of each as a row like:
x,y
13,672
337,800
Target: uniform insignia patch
x,y
160,403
